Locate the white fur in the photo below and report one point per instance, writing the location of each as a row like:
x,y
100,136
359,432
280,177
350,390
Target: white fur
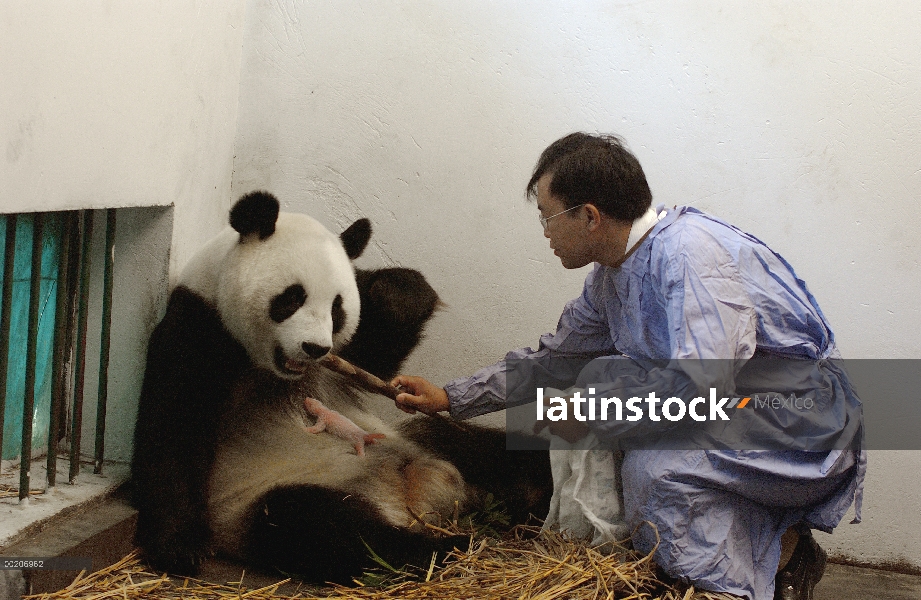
x,y
240,276
261,449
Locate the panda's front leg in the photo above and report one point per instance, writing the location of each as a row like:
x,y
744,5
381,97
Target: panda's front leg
x,y
396,304
339,425
191,362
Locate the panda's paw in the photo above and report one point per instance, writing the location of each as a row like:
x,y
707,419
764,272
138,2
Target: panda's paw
x,y
400,295
189,563
396,303
419,551
179,552
370,438
185,562
366,440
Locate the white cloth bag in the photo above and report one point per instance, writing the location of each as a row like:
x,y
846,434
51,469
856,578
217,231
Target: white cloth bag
x,y
587,494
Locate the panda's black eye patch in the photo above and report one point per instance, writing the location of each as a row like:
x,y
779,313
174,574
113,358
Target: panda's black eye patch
x,y
338,315
287,303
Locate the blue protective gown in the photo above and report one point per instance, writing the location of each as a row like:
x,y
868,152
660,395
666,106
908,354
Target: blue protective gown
x,y
698,288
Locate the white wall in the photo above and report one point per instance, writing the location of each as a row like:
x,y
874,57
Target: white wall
x,y
799,123
111,104
123,104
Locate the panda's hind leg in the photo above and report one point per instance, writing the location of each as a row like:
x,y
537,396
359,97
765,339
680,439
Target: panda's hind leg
x,y
520,478
323,535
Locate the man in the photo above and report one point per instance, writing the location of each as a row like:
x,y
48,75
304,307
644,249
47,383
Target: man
x,y
683,286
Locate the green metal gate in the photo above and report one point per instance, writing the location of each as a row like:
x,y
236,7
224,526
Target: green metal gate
x,y
43,317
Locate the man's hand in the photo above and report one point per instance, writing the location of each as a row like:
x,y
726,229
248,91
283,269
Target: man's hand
x,y
421,395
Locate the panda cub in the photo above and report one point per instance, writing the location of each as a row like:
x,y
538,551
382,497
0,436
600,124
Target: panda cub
x,y
225,458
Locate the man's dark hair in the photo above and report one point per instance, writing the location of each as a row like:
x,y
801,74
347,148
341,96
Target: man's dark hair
x,y
596,169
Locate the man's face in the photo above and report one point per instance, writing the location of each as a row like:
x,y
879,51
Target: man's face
x,y
567,231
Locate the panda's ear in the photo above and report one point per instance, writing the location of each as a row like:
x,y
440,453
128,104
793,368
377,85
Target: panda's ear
x,y
356,237
255,212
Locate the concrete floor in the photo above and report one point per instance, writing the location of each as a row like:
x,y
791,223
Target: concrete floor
x,y
842,582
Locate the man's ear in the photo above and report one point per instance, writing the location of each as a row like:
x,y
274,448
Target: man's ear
x,y
356,237
593,215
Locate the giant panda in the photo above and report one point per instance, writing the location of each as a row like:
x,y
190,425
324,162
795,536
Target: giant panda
x,y
223,462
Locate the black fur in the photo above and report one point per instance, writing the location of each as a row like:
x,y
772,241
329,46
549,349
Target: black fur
x,y
396,303
287,303
355,238
286,522
255,212
192,361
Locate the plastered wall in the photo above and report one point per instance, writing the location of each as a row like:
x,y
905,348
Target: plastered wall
x,y
798,122
130,105
113,104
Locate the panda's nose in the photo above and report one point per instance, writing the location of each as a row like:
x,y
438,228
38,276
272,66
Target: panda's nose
x,y
315,351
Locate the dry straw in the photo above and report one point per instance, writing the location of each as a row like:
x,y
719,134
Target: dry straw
x,y
8,491
526,564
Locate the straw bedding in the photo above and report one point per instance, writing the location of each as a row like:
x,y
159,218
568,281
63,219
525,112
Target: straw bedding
x,y
524,564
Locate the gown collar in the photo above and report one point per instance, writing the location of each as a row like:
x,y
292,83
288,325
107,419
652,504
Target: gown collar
x,y
640,229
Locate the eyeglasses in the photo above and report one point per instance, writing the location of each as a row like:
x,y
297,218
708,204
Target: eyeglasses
x,y
545,220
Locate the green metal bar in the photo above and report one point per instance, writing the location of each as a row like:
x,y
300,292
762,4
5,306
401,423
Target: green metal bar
x,y
80,351
6,308
28,404
105,342
73,300
61,319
